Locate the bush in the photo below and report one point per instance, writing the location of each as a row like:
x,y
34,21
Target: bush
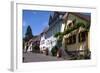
x,y
54,51
35,48
58,34
87,54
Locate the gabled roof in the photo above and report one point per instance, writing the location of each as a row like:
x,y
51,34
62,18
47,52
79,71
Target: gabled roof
x,y
55,16
35,39
85,16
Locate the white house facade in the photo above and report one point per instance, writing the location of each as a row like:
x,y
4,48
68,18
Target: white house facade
x,y
48,41
42,42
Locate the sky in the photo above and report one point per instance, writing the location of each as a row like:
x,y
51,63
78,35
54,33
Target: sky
x,y
38,20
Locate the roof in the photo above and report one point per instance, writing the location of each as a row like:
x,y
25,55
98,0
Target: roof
x,y
55,16
44,31
54,19
35,39
84,16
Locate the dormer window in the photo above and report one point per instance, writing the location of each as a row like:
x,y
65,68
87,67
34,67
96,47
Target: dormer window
x,y
70,24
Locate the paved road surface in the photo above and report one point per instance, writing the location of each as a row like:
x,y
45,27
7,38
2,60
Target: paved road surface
x,y
36,57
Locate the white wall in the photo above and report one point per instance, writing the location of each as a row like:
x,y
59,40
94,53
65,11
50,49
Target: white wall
x,y
5,38
42,42
49,44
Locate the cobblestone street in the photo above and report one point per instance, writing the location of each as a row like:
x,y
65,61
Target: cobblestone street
x,y
37,57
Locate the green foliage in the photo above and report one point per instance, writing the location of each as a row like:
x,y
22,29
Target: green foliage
x,y
80,24
59,41
86,26
35,48
58,34
68,31
73,28
87,55
28,34
54,51
23,43
59,37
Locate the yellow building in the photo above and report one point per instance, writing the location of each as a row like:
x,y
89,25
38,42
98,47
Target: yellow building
x,y
76,40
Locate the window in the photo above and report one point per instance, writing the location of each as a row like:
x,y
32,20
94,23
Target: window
x,y
82,36
74,39
69,24
71,39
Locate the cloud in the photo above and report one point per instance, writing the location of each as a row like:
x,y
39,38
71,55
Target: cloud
x,y
24,24
45,24
34,12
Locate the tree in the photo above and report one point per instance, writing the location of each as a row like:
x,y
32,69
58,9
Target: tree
x,y
28,34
